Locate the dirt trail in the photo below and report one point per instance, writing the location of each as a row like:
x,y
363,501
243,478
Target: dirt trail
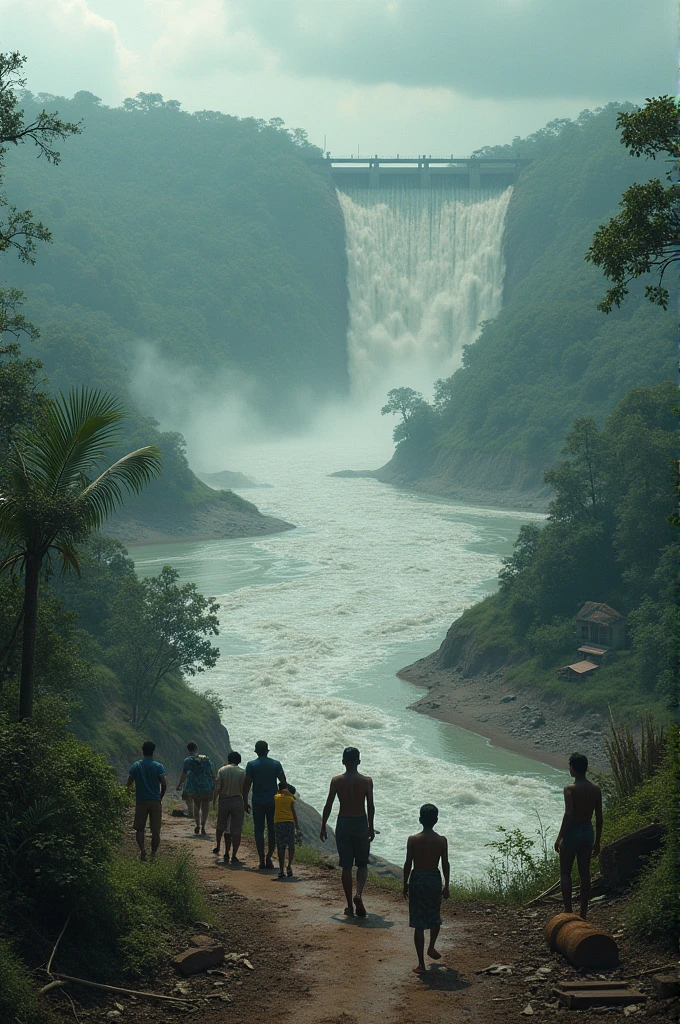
x,y
351,970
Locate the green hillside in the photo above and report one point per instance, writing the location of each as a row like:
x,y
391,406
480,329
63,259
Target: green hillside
x,y
549,356
206,235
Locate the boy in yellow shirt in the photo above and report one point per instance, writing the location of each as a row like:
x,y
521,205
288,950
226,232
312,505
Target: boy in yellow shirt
x,y
285,826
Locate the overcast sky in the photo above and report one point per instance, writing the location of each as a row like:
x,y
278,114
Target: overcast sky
x,y
387,76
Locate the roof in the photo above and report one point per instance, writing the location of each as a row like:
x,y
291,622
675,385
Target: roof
x,y
589,649
581,668
603,614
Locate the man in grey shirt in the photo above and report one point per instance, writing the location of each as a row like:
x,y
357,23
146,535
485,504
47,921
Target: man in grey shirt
x,y
263,774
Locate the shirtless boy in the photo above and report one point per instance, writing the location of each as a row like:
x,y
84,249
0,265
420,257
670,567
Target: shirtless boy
x,y
576,838
423,883
354,830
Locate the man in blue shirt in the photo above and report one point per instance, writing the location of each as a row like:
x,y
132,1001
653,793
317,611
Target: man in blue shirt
x,y
148,777
264,775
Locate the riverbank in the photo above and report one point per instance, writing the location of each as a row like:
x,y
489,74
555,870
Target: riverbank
x,y
500,480
210,520
517,719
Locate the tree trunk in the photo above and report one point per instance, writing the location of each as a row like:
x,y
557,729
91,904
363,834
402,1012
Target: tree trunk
x,y
31,584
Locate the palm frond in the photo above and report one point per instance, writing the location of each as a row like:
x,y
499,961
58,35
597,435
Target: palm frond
x,y
69,555
133,472
74,437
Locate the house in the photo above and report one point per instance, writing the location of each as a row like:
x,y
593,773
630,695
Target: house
x,y
600,625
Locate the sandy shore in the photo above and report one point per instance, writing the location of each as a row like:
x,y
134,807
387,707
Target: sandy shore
x,y
520,720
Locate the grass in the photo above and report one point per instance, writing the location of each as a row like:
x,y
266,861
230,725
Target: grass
x,y
18,999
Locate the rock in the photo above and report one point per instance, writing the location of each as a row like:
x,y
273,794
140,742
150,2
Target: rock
x,y
666,986
537,721
528,1010
202,924
508,697
525,707
178,812
197,959
202,940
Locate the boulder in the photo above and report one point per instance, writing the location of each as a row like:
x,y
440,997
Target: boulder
x,y
197,959
508,697
202,940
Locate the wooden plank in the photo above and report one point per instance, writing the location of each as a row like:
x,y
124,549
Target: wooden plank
x,y
600,985
578,999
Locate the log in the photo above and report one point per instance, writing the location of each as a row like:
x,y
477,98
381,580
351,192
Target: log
x,y
622,860
555,924
581,943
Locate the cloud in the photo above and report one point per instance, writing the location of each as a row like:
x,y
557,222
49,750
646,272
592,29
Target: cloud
x,y
485,48
68,45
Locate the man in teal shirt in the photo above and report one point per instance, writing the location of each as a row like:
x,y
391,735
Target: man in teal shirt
x,y
264,775
148,777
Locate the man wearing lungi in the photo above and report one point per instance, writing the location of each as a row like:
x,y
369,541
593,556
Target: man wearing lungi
x,y
423,883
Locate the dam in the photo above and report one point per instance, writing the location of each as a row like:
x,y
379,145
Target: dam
x,y
423,172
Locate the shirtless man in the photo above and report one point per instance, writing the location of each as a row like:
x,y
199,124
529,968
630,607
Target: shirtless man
x,y
576,838
354,830
423,883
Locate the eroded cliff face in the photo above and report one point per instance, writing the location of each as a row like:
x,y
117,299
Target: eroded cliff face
x,y
487,478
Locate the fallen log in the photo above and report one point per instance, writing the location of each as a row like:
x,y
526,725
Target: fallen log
x,y
581,943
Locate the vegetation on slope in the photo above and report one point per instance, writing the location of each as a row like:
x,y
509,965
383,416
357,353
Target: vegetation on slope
x,y
205,235
607,538
550,356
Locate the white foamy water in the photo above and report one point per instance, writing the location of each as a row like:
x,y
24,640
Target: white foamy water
x,y
425,268
315,623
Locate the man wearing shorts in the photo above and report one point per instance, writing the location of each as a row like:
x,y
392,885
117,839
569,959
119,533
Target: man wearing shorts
x,y
230,808
150,784
576,838
263,774
354,830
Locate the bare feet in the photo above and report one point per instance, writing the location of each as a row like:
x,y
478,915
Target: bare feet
x,y
359,904
348,912
434,954
420,969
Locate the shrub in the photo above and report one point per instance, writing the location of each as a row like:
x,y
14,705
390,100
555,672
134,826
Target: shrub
x,y
653,910
552,640
18,1002
60,819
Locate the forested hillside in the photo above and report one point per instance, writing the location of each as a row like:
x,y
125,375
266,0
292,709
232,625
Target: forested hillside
x,y
550,355
205,235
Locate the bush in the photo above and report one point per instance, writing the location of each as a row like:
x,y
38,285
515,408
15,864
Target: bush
x,y
61,817
552,640
18,1002
134,907
653,911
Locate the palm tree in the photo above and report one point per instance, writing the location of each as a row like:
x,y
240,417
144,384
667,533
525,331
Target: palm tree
x,y
54,499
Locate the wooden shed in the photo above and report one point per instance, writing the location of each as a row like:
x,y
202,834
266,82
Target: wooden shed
x,y
601,625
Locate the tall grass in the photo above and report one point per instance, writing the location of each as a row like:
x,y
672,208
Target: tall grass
x,y
633,763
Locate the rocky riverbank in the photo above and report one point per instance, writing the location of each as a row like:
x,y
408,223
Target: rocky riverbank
x,y
492,480
209,520
518,719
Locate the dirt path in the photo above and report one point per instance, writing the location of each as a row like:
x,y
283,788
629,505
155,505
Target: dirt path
x,y
311,965
351,970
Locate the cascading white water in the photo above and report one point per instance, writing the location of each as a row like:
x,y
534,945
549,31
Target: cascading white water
x,y
425,269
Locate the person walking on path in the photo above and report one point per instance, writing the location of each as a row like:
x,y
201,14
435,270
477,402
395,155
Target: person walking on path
x,y
263,774
576,838
230,806
423,883
199,780
354,831
150,782
286,827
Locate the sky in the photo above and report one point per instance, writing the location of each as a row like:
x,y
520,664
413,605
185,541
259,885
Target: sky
x,y
372,76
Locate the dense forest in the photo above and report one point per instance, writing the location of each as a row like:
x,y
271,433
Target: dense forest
x,y
206,236
549,356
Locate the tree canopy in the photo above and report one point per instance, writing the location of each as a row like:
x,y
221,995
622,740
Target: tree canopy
x,y
644,237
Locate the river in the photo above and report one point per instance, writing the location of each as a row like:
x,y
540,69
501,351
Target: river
x,y
315,623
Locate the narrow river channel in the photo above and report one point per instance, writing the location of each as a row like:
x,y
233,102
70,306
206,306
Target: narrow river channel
x,y
316,621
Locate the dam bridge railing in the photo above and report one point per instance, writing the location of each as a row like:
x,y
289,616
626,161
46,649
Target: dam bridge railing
x,y
374,172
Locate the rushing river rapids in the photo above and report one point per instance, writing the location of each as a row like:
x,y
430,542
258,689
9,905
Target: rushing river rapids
x,y
315,623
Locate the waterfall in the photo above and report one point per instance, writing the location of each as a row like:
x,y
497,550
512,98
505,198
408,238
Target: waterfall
x,y
425,268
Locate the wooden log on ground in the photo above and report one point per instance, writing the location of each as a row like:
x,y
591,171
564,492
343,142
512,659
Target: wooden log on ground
x,y
553,927
581,943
